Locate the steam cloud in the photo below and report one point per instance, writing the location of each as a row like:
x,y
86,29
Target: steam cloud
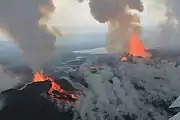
x,y
174,6
6,81
121,23
169,34
19,18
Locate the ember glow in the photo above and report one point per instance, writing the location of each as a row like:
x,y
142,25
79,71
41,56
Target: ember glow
x,y
136,47
62,96
124,58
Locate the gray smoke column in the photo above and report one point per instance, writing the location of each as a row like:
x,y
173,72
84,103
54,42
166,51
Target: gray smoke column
x,y
7,80
169,34
173,5
121,23
20,19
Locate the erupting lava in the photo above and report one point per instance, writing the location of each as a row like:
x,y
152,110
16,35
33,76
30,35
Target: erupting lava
x,y
124,58
136,48
62,96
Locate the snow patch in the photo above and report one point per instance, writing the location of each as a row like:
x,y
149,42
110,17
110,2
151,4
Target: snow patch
x,y
93,51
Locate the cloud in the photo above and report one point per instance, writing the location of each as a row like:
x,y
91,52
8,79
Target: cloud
x,y
20,18
7,81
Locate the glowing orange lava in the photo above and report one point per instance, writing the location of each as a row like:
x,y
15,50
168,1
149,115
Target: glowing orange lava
x,y
123,58
38,77
136,47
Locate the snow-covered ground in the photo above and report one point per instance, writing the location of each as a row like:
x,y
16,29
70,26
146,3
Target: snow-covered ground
x,y
130,92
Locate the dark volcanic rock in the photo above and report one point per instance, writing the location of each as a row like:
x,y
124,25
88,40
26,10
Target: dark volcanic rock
x,y
27,104
65,85
30,89
76,77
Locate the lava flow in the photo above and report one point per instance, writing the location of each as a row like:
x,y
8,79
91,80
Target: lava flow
x,y
62,95
136,48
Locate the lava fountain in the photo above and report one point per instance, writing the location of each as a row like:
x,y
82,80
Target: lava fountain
x,y
136,48
56,92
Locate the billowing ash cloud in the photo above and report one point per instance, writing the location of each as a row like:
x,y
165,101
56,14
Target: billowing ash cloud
x,y
7,80
104,10
174,6
169,34
20,20
115,13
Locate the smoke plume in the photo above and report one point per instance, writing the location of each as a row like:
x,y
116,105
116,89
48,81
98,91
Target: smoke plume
x,y
121,23
7,80
169,30
173,5
20,19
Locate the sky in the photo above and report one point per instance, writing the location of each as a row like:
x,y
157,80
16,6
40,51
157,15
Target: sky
x,y
75,17
72,17
153,13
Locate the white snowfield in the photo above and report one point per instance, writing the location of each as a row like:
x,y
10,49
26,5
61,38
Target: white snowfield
x,y
135,91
